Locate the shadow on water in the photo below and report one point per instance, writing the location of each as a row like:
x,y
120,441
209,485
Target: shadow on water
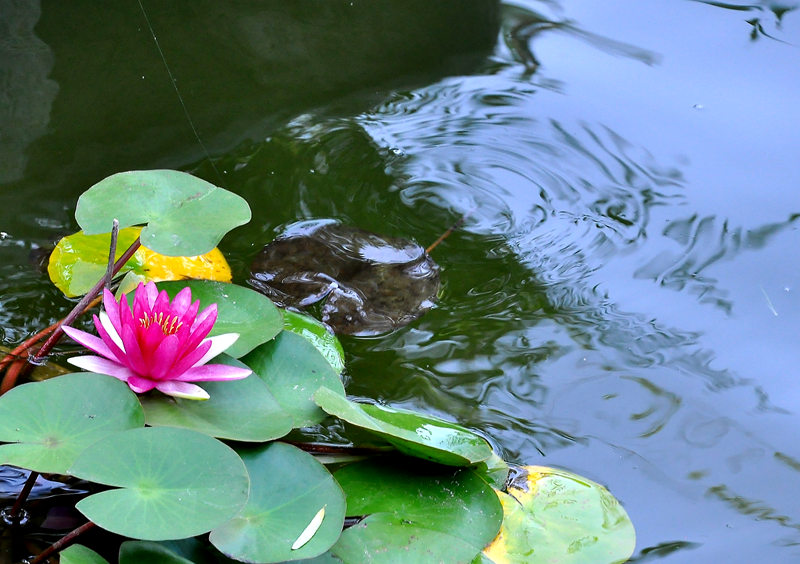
x,y
92,90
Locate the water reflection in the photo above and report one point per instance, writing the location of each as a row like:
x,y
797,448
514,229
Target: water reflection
x,y
532,341
520,25
774,10
703,242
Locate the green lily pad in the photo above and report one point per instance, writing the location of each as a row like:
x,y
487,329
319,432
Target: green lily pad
x,y
557,517
184,215
419,513
79,554
319,335
170,483
412,433
242,410
239,310
196,550
78,261
288,490
48,424
293,370
137,552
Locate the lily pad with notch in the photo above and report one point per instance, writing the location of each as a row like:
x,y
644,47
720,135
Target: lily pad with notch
x,y
368,284
48,424
184,215
169,483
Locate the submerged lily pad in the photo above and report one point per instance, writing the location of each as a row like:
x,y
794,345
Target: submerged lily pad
x,y
557,517
79,261
136,552
370,284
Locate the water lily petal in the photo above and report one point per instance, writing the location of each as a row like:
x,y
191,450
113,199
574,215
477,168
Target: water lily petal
x,y
182,390
214,372
181,302
219,343
89,341
203,317
140,305
161,303
150,294
125,315
110,331
202,326
102,366
190,359
141,385
111,341
188,318
133,353
163,359
111,306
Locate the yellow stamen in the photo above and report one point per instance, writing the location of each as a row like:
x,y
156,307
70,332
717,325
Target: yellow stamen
x,y
169,324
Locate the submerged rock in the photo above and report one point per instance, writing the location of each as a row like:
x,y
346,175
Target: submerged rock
x,y
368,284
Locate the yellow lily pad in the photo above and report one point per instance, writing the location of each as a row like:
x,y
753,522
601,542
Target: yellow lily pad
x,y
558,517
80,260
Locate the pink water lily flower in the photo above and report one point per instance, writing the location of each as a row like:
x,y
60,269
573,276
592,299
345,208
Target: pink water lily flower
x,y
161,344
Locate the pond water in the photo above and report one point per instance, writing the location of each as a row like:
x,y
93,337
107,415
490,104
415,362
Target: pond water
x,y
623,297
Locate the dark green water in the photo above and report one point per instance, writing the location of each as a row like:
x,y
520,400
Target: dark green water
x,y
622,300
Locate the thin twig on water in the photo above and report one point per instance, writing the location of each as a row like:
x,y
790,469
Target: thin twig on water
x,y
450,230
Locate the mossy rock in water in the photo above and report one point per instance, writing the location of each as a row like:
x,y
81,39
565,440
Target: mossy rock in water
x,y
368,284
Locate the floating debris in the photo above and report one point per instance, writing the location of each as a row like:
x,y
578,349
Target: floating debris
x,y
368,284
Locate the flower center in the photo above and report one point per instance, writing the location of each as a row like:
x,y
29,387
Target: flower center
x,y
169,324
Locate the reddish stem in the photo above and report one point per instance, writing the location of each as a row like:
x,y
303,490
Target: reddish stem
x,y
321,448
26,344
12,375
61,543
13,514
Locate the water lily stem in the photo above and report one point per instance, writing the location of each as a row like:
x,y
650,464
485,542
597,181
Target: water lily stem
x,y
12,375
322,448
78,309
13,514
61,543
112,252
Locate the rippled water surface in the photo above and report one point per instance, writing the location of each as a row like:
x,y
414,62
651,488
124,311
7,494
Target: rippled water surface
x,y
623,297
